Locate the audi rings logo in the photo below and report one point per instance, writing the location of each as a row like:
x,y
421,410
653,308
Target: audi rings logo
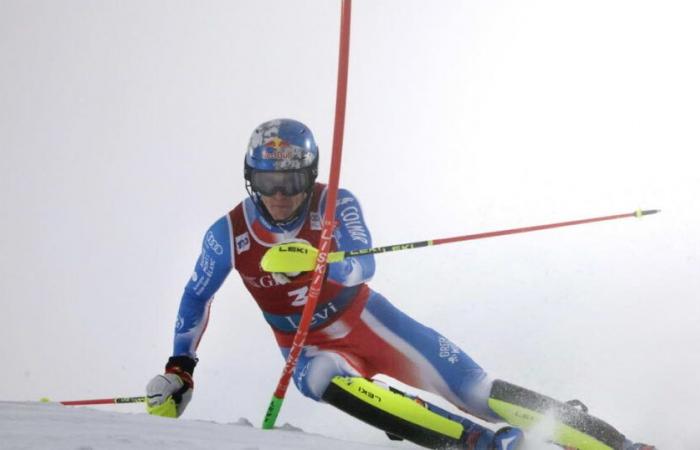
x,y
213,244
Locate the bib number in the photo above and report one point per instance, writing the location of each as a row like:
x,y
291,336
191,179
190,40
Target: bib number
x,y
300,296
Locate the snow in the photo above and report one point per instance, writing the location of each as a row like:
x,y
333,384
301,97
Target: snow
x,y
36,425
32,425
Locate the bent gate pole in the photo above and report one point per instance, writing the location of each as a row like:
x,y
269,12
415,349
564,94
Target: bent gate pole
x,y
324,245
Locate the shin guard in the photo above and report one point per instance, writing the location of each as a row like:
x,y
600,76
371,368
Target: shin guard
x,y
405,417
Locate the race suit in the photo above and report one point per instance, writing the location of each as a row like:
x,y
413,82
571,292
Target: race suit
x,y
355,331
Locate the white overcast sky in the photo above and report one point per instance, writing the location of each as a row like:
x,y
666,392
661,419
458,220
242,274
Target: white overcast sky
x,y
123,126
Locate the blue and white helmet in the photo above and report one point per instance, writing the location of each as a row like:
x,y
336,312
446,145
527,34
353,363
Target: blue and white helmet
x,y
286,148
281,144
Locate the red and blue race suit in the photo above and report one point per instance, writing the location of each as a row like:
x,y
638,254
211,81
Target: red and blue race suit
x,y
355,331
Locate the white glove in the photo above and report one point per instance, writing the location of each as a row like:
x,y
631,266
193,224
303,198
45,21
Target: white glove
x,y
167,395
284,277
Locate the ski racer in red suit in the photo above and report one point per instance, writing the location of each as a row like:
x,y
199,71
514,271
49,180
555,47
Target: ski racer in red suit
x,y
355,333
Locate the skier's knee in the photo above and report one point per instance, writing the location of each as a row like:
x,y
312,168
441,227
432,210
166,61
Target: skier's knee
x,y
313,377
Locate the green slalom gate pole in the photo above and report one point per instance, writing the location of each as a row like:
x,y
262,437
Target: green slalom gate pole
x,y
328,223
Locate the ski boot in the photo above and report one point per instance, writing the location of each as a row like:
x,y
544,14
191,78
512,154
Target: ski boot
x,y
507,438
477,437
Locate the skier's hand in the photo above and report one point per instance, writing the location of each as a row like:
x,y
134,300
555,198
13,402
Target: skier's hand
x,y
284,277
295,277
167,395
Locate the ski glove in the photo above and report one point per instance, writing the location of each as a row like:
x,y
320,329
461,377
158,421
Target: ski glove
x,y
284,278
167,395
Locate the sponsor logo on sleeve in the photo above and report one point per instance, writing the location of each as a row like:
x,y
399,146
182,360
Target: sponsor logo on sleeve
x,y
448,350
207,263
213,244
353,223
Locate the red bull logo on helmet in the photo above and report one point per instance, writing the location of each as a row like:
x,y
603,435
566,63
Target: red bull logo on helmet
x,y
291,154
279,149
281,144
276,143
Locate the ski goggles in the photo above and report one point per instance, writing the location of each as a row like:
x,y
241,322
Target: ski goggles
x,y
288,183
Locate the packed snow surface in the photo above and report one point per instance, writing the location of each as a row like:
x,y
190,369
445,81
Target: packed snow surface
x,y
27,425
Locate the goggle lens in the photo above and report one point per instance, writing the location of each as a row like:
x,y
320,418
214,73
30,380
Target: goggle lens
x,y
288,183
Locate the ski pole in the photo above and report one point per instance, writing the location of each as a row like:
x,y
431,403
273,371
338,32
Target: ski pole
x,y
328,223
99,401
300,257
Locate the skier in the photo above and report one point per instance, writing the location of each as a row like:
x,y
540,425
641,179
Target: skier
x,y
355,333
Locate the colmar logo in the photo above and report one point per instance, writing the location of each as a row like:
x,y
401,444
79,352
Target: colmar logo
x,y
352,221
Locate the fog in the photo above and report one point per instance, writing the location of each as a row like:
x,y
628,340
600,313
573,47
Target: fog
x,y
123,127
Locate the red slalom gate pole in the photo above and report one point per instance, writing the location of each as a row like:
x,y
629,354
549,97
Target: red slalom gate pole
x,y
638,213
324,245
100,401
339,256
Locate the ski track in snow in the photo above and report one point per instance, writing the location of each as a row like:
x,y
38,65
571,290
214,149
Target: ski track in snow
x,y
33,426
